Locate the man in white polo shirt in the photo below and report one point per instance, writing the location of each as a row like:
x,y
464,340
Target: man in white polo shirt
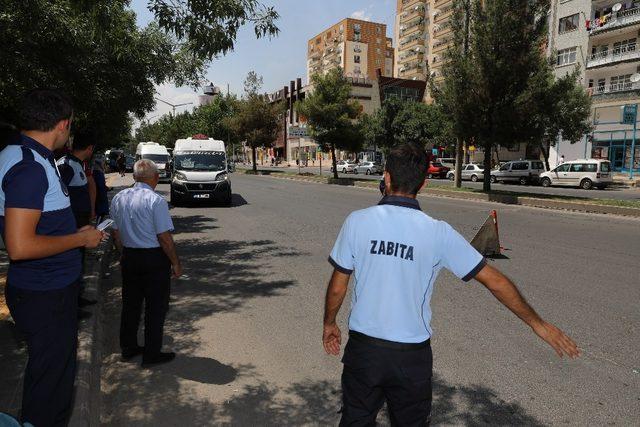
x,y
395,252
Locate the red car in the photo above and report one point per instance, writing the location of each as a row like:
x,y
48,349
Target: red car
x,y
437,170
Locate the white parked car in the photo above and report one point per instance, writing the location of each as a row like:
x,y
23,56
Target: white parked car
x,y
368,168
344,166
471,172
585,174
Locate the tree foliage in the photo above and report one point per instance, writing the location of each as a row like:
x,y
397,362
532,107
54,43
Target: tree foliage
x,y
486,86
210,120
94,51
257,119
331,114
399,122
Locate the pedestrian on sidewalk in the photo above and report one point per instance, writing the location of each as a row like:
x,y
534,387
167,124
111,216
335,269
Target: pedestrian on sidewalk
x,y
42,241
395,252
102,190
121,164
142,231
74,177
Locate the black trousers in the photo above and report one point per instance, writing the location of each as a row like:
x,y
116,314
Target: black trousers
x,y
146,277
82,219
49,319
377,370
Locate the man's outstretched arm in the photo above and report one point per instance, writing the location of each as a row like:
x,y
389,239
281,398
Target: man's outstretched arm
x,y
507,293
336,291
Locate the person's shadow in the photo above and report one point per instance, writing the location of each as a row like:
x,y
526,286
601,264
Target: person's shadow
x,y
200,369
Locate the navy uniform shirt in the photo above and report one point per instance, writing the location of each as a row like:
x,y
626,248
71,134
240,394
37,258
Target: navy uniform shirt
x,y
73,176
396,252
29,180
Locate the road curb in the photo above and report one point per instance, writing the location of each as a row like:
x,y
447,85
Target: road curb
x,y
86,403
510,199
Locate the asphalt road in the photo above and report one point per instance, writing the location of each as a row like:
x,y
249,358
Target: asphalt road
x,y
246,318
615,192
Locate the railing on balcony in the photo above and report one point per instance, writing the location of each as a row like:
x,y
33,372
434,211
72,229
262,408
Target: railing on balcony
x,y
619,53
615,20
419,9
406,4
442,28
410,27
410,39
613,88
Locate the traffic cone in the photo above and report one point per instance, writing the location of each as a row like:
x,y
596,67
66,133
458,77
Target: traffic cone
x,y
486,241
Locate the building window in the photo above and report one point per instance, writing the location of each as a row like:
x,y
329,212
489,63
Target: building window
x,y
379,30
566,56
568,23
601,84
378,40
357,27
620,82
357,37
356,59
378,62
378,51
356,70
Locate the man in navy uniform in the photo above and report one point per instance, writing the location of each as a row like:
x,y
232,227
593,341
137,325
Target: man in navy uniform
x,y
395,252
43,244
72,171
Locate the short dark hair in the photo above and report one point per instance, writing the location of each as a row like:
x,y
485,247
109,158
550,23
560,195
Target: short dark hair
x,y
407,165
43,109
83,139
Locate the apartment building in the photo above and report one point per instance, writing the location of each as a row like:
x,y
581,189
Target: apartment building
x,y
359,47
600,38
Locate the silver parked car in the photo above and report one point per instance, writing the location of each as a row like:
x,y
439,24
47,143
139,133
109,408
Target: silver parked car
x,y
344,166
470,172
522,171
368,168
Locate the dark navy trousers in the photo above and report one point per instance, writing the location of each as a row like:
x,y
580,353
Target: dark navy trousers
x,y
49,320
376,371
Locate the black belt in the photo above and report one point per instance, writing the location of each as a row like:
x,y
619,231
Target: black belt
x,y
358,336
142,250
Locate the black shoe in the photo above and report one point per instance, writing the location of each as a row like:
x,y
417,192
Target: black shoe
x,y
84,302
130,353
84,314
158,359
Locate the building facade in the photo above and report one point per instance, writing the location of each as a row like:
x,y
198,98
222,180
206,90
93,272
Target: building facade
x,y
359,47
600,39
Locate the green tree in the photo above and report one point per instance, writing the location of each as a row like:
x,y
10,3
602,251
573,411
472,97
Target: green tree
x,y
330,114
491,81
557,107
418,123
256,120
95,52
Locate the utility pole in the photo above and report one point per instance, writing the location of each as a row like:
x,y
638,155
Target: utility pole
x,y
459,142
173,105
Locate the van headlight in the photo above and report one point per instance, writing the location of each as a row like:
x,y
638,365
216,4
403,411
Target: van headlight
x,y
180,176
222,176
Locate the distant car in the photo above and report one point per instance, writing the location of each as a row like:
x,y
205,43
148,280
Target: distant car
x,y
471,172
368,168
585,174
344,166
522,171
129,162
437,170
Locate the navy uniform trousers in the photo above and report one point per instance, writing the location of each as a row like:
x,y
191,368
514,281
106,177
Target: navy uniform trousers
x,y
376,371
146,277
49,319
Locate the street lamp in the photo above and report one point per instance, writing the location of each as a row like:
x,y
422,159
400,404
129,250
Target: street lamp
x,y
174,106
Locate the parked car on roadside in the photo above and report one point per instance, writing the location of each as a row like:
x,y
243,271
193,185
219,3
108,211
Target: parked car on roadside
x,y
437,170
470,172
585,174
368,168
522,171
344,166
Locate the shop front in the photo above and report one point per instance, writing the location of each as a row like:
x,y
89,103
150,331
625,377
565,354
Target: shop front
x,y
616,146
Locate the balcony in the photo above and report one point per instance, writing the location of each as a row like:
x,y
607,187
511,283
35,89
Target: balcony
x,y
442,29
616,20
407,4
443,14
613,90
418,51
624,53
411,27
418,10
416,39
442,44
440,3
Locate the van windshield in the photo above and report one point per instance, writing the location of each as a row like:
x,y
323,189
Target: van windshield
x,y
156,158
200,161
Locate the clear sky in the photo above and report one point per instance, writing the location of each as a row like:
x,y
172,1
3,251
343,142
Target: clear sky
x,y
280,59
